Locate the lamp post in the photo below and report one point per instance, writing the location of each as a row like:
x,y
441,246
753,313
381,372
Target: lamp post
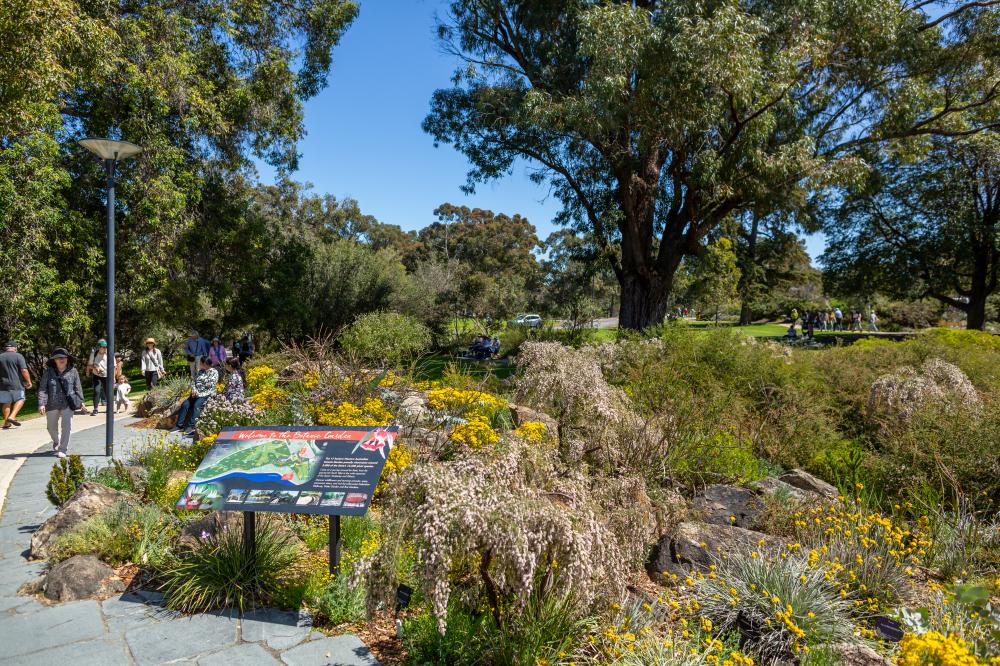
x,y
110,151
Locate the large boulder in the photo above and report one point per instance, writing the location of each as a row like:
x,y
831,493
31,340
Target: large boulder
x,y
727,505
168,419
89,500
698,545
855,654
776,488
81,577
805,481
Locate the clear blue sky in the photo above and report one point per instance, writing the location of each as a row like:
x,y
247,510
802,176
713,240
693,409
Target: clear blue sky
x,y
363,131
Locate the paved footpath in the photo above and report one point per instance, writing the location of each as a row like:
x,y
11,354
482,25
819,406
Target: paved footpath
x,y
133,628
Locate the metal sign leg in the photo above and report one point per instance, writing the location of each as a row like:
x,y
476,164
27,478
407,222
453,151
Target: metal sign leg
x,y
250,537
334,545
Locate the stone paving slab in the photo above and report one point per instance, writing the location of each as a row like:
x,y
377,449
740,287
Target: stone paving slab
x,y
89,653
50,627
347,650
133,628
246,654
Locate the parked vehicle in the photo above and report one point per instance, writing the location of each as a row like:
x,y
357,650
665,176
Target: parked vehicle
x,y
529,320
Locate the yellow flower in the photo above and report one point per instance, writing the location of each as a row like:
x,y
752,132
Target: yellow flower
x,y
259,377
477,433
532,431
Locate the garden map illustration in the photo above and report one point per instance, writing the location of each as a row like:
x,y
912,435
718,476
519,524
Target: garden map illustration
x,y
291,469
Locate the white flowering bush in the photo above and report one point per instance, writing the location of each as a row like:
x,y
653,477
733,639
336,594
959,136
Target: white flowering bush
x,y
508,525
907,390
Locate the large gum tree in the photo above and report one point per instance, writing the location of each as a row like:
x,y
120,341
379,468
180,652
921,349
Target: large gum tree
x,y
654,121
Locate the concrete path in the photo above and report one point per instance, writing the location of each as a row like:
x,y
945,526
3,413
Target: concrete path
x,y
134,628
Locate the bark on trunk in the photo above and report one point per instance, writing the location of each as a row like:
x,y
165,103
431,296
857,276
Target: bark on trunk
x,y
746,316
643,302
975,314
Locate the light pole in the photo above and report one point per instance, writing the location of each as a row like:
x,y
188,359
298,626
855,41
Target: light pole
x,y
110,151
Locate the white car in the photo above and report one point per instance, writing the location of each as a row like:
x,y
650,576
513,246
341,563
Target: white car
x,y
529,320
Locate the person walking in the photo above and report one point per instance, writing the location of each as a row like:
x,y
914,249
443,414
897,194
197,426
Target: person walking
x,y
873,322
60,395
122,387
246,348
97,369
235,390
196,348
152,364
217,353
838,316
203,388
14,381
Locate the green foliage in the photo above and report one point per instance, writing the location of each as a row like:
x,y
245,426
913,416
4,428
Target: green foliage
x,y
65,478
116,475
458,645
340,602
385,338
220,573
126,532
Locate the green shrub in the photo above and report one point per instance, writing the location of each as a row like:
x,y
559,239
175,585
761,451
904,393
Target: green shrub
x,y
458,645
386,338
125,532
116,475
66,476
340,602
220,573
168,391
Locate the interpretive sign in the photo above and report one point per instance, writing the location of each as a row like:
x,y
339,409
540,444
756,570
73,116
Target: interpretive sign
x,y
291,469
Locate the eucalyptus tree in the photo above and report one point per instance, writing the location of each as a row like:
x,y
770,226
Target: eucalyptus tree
x,y
925,223
655,120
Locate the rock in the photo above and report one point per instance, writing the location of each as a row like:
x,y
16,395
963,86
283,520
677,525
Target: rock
x,y
413,407
523,414
854,654
209,525
424,437
81,577
805,481
89,500
727,505
670,509
777,488
169,418
697,545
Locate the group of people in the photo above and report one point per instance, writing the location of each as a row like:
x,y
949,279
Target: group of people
x,y
829,320
483,348
60,389
197,348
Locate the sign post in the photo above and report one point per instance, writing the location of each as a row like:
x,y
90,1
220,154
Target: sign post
x,y
250,538
316,470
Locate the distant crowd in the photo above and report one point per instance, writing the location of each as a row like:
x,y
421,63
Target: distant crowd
x,y
60,389
829,320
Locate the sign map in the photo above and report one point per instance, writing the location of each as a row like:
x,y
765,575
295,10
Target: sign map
x,y
291,469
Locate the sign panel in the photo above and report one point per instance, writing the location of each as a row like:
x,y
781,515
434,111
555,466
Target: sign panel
x,y
291,469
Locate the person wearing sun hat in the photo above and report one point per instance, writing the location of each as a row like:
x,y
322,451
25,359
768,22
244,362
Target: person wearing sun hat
x,y
152,363
60,395
14,380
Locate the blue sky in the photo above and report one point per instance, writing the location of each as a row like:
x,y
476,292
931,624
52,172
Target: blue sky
x,y
364,138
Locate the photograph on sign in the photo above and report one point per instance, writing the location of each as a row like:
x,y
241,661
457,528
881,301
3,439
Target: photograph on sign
x,y
291,469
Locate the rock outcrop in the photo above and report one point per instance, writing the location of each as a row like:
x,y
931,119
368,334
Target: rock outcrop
x,y
695,546
805,481
89,500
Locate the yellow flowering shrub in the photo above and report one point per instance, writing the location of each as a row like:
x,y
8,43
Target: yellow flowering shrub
x,y
464,402
532,431
935,649
259,377
388,380
476,434
400,457
311,380
372,412
268,397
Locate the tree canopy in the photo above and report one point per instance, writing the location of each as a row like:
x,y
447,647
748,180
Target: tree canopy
x,y
655,121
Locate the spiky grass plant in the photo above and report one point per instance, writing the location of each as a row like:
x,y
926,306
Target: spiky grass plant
x,y
221,573
780,605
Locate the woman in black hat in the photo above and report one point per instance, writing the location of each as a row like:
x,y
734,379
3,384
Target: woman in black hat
x,y
60,394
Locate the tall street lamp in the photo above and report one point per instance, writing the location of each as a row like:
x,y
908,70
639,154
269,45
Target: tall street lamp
x,y
111,152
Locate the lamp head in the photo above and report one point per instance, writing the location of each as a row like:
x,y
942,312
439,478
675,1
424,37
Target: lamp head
x,y
110,149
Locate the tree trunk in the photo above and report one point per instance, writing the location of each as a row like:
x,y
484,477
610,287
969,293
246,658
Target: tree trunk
x,y
746,316
975,314
643,301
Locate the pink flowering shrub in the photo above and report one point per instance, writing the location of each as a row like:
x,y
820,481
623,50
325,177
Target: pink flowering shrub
x,y
507,525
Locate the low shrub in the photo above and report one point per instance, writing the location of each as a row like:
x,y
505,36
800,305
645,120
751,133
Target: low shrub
x,y
781,606
220,412
66,476
961,626
116,475
126,532
386,339
220,573
168,391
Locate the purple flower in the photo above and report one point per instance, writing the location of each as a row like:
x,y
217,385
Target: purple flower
x,y
205,535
